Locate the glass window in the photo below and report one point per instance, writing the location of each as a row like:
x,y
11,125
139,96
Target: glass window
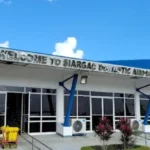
x,y
34,127
129,95
34,90
108,106
49,127
67,92
129,107
35,104
143,106
25,103
74,106
83,92
87,126
48,105
35,118
25,123
119,95
95,121
119,107
2,104
143,96
49,119
83,106
96,106
93,93
1,121
53,91
11,88
106,94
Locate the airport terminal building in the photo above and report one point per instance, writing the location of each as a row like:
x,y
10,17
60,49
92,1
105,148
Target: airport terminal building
x,y
32,98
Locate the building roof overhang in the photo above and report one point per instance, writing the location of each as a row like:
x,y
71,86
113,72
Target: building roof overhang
x,y
26,58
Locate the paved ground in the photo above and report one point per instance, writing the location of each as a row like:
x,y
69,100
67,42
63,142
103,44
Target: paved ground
x,y
69,143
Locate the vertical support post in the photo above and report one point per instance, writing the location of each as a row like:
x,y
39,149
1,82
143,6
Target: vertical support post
x,y
71,98
59,105
137,106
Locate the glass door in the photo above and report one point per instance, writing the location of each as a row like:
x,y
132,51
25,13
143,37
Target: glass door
x,y
102,107
25,113
3,104
96,111
108,109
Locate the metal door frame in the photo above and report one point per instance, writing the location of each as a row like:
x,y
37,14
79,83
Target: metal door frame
x,y
102,104
22,113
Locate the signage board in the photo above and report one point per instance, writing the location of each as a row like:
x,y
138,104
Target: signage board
x,y
54,61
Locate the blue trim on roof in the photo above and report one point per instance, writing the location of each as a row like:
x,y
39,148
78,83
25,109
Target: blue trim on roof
x,y
141,63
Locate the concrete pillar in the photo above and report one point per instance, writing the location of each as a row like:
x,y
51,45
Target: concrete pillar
x,y
60,105
137,106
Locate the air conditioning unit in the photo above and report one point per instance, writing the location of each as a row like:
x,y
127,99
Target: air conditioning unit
x,y
136,124
78,126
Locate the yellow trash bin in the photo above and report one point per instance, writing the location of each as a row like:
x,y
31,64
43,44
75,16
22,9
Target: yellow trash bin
x,y
10,134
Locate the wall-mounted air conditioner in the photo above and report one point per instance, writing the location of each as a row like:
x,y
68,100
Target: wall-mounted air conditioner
x,y
78,126
136,124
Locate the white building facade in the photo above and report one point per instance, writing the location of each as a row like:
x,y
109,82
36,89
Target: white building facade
x,y
31,97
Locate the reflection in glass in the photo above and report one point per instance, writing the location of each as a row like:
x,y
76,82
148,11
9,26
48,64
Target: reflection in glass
x,y
96,106
143,106
2,104
83,106
119,95
49,127
108,106
34,90
129,95
143,96
130,107
67,92
53,91
119,107
74,106
35,104
34,127
48,105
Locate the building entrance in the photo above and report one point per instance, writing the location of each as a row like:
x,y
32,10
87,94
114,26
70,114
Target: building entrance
x,y
14,102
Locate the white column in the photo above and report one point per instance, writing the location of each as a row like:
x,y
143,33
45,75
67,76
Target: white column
x,y
137,106
60,105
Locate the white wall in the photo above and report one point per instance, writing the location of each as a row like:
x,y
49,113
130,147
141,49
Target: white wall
x,y
49,78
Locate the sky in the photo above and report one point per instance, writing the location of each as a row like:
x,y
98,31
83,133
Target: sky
x,y
87,29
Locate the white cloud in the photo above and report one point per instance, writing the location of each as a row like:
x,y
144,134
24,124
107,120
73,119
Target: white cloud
x,y
5,44
7,2
67,48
